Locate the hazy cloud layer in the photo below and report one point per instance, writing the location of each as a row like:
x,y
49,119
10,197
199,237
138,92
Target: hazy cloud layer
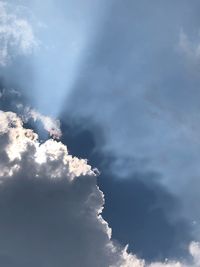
x,y
141,85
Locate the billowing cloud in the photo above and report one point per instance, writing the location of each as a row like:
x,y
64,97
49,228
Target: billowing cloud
x,y
16,35
51,206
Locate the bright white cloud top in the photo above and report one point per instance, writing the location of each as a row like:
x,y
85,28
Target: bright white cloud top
x,y
50,207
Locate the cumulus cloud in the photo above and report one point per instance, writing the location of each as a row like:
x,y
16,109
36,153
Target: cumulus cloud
x,y
16,35
51,206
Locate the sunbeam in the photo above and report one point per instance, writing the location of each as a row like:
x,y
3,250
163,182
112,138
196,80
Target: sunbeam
x,y
66,31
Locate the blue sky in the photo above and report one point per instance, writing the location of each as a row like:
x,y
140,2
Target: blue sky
x,y
123,78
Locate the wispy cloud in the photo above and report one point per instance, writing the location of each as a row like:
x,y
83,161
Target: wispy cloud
x,y
52,126
16,35
191,49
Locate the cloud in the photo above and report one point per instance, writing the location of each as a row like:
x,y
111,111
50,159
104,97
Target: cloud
x,y
64,43
125,64
50,204
11,99
16,35
52,126
190,49
51,207
144,94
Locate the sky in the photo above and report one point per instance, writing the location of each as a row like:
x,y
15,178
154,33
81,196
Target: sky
x,y
99,133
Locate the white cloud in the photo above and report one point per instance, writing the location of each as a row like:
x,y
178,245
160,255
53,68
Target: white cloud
x,y
50,207
53,202
16,35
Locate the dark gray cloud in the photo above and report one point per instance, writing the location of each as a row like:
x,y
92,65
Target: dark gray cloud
x,y
40,224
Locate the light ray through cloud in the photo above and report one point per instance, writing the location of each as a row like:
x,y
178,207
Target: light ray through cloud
x,y
127,77
66,32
